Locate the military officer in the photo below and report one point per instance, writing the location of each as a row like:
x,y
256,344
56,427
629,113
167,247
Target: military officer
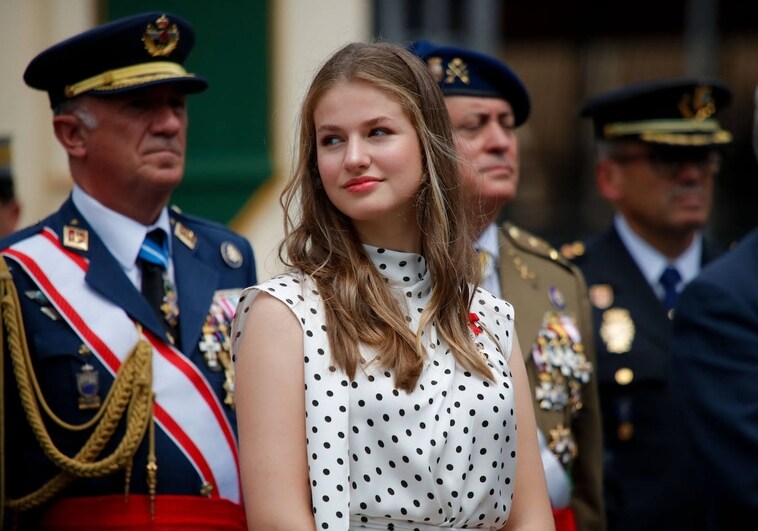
x,y
119,396
487,102
658,151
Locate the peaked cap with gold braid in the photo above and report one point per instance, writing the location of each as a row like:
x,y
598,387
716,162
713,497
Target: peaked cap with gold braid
x,y
673,112
126,54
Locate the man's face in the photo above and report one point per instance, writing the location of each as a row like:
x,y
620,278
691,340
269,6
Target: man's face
x,y
136,144
664,190
487,145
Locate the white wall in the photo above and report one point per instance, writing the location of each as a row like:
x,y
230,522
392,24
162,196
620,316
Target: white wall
x,y
304,33
38,162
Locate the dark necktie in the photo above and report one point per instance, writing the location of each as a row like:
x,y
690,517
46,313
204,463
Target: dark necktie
x,y
670,278
153,257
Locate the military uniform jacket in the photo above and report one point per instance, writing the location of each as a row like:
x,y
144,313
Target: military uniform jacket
x,y
554,328
649,476
211,266
715,350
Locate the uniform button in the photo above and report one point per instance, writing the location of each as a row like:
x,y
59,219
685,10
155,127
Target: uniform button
x,y
625,431
671,314
624,376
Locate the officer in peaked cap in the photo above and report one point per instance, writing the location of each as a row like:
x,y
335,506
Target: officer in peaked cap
x,y
487,102
659,146
124,304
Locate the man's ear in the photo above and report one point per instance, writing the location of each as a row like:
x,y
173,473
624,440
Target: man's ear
x,y
608,177
69,131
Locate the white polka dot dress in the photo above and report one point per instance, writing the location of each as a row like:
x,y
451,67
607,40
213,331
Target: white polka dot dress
x,y
443,456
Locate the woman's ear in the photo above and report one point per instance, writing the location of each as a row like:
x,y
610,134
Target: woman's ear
x,y
69,131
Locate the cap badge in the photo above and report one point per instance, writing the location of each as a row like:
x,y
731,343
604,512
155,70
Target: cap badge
x,y
161,37
699,105
457,69
434,65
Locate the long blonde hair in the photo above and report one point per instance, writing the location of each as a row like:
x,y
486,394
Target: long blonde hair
x,y
321,242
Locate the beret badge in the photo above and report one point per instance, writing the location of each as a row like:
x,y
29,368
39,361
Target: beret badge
x,y
457,69
161,37
434,65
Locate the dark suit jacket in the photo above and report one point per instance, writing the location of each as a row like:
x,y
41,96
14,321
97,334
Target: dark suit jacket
x,y
649,474
715,351
200,271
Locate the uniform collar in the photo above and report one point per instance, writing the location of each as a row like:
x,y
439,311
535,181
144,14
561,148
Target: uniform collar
x,y
121,235
651,262
488,241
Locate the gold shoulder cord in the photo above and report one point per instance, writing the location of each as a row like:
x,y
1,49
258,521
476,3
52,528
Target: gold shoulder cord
x,y
131,393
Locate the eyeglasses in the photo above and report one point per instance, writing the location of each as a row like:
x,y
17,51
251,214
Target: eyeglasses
x,y
670,162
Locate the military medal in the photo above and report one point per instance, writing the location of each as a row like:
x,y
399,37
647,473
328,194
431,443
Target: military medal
x,y
210,345
562,367
88,385
216,343
170,305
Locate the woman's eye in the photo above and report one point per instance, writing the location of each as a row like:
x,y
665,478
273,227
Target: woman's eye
x,y
330,140
379,131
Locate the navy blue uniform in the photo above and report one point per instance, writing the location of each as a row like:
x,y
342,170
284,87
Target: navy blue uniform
x,y
715,351
207,258
649,473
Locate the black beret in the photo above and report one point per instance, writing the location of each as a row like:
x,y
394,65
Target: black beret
x,y
676,112
462,72
125,54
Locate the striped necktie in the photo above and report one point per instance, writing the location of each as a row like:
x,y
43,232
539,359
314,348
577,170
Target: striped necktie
x,y
156,287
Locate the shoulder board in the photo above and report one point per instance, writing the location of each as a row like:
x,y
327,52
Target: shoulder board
x,y
530,243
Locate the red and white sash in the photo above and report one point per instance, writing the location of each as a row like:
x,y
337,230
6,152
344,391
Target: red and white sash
x,y
186,408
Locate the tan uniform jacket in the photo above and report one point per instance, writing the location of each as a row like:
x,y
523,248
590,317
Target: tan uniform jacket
x,y
552,310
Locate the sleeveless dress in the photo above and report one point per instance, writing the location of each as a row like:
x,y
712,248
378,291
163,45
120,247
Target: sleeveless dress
x,y
443,456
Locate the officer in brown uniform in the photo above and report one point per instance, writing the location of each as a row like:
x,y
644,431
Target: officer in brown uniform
x,y
659,149
487,102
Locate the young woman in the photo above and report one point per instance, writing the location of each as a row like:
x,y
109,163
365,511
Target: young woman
x,y
377,386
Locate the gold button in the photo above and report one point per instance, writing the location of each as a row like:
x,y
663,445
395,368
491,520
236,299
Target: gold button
x,y
625,431
671,314
624,376
83,350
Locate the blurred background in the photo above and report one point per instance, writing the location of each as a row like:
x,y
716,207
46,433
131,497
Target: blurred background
x,y
259,56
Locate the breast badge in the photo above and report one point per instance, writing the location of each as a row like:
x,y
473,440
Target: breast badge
x,y
88,385
617,330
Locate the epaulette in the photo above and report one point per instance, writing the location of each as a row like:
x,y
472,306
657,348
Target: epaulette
x,y
530,243
573,249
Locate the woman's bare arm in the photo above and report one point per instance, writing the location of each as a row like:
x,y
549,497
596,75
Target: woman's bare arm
x,y
270,402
